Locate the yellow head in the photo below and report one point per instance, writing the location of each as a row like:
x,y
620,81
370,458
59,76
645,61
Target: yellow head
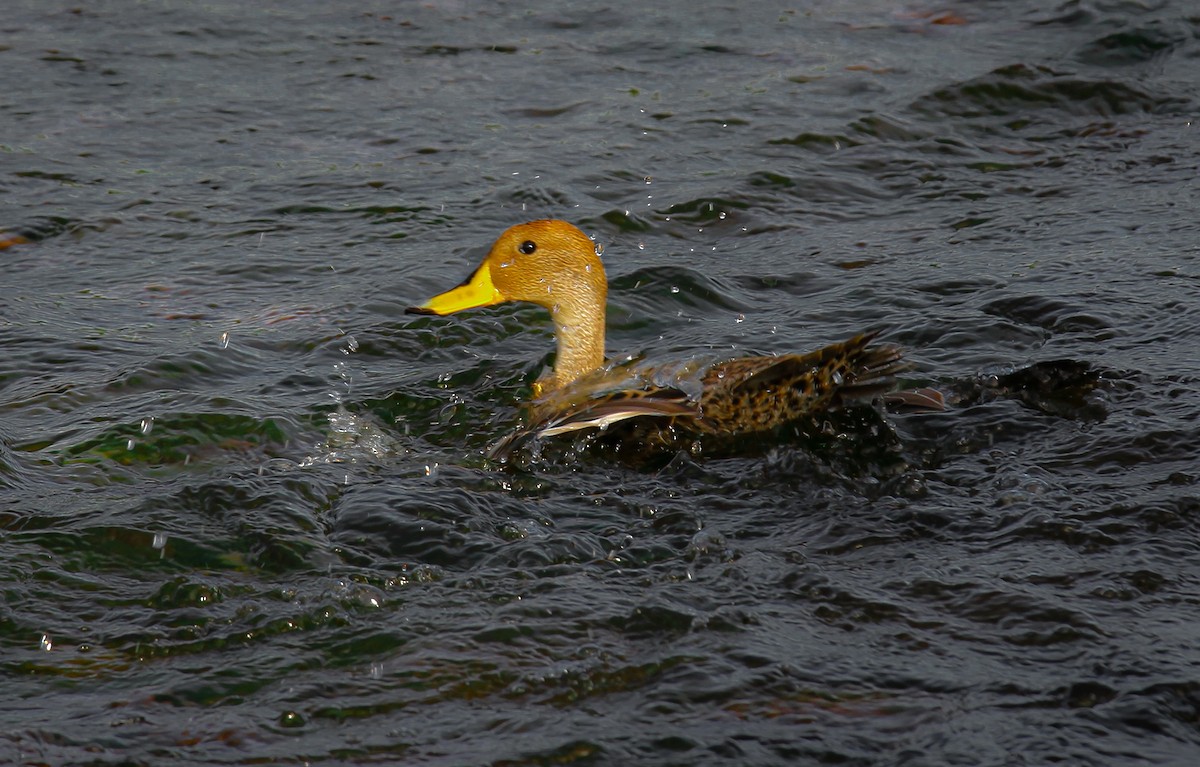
x,y
551,264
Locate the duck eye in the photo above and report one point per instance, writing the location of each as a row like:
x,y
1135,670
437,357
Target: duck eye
x,y
528,247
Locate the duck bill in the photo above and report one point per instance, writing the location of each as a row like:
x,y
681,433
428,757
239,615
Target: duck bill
x,y
476,291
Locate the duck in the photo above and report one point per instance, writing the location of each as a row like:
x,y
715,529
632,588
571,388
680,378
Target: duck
x,y
553,264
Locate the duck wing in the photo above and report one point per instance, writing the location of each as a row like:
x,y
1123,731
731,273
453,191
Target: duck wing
x,y
554,416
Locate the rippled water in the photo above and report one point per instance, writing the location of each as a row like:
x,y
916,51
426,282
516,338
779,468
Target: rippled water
x,y
245,515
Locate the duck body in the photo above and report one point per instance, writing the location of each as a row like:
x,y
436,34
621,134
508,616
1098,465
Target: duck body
x,y
554,264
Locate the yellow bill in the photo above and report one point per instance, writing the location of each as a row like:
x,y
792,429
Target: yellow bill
x,y
478,290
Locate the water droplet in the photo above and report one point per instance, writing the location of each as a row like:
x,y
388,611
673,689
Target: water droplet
x,y
129,445
159,541
505,264
46,644
837,378
588,267
674,288
554,309
225,340
431,469
291,719
351,345
740,318
649,179
721,215
641,246
147,424
599,249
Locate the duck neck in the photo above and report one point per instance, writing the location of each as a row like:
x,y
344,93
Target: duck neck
x,y
580,335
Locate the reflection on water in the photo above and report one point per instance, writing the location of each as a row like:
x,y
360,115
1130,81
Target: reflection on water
x,y
245,509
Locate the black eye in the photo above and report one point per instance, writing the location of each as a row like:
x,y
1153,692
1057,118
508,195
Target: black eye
x,y
528,247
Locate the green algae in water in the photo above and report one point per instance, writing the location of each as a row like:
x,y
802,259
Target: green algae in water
x,y
177,439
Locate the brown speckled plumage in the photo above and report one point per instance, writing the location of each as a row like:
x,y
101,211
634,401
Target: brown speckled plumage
x,y
760,393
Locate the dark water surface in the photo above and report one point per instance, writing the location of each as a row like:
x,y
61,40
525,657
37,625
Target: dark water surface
x,y
244,514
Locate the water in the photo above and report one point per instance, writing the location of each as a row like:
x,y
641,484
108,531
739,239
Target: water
x,y
245,516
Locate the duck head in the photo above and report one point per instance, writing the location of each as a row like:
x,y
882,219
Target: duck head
x,y
554,265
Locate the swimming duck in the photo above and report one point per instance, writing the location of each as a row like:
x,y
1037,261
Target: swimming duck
x,y
554,265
